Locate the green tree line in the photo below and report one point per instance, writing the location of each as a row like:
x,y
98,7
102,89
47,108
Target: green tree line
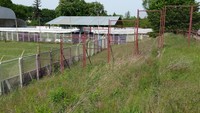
x,y
177,18
34,15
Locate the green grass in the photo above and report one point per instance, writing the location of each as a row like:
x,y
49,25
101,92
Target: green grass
x,y
147,83
10,50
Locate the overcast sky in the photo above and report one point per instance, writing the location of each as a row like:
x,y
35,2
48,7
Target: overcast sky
x,y
117,6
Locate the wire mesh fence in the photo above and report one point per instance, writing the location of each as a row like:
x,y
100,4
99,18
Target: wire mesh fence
x,y
20,71
9,75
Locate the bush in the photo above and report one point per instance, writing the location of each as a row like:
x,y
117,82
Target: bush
x,y
153,34
58,95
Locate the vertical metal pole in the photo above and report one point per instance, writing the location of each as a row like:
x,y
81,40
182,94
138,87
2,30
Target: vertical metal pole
x,y
84,50
136,40
160,32
51,62
16,25
164,21
38,61
38,66
70,55
1,82
23,36
104,42
21,71
190,26
61,55
108,42
90,29
1,91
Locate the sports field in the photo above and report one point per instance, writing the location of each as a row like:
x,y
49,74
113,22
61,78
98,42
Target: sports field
x,y
10,50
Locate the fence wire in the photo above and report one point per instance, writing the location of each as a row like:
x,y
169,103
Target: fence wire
x,y
21,71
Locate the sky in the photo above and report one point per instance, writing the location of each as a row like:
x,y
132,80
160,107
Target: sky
x,y
111,6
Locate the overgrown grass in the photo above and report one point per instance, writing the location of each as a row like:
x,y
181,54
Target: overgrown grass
x,y
10,50
147,83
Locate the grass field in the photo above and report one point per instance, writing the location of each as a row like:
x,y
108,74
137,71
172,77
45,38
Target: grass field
x,y
10,50
148,83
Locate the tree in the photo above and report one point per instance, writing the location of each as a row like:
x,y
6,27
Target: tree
x,y
36,6
114,14
127,15
6,3
69,7
79,8
144,23
22,12
176,18
47,15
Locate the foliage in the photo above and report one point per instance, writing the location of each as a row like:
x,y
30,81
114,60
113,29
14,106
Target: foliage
x,y
95,9
6,3
143,23
36,7
176,18
146,83
36,16
79,8
32,14
47,15
23,12
127,15
58,95
153,34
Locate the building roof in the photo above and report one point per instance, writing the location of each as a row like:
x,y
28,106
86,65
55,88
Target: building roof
x,y
6,13
84,20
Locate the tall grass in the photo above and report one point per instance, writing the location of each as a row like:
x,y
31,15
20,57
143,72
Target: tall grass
x,y
146,83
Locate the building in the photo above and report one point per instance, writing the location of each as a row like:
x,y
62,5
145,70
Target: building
x,y
8,18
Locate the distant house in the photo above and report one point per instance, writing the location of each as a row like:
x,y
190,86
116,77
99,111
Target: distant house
x,y
8,18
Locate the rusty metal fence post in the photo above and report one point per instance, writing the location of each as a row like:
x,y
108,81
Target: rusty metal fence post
x,y
190,25
84,49
61,56
108,48
1,89
51,63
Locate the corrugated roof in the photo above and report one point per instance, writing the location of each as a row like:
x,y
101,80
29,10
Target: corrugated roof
x,y
84,20
6,13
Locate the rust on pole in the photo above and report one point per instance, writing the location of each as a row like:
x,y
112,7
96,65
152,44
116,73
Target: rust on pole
x,y
190,26
61,55
164,21
84,49
136,38
162,27
160,31
108,41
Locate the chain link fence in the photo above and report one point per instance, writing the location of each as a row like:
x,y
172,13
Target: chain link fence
x,y
20,71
